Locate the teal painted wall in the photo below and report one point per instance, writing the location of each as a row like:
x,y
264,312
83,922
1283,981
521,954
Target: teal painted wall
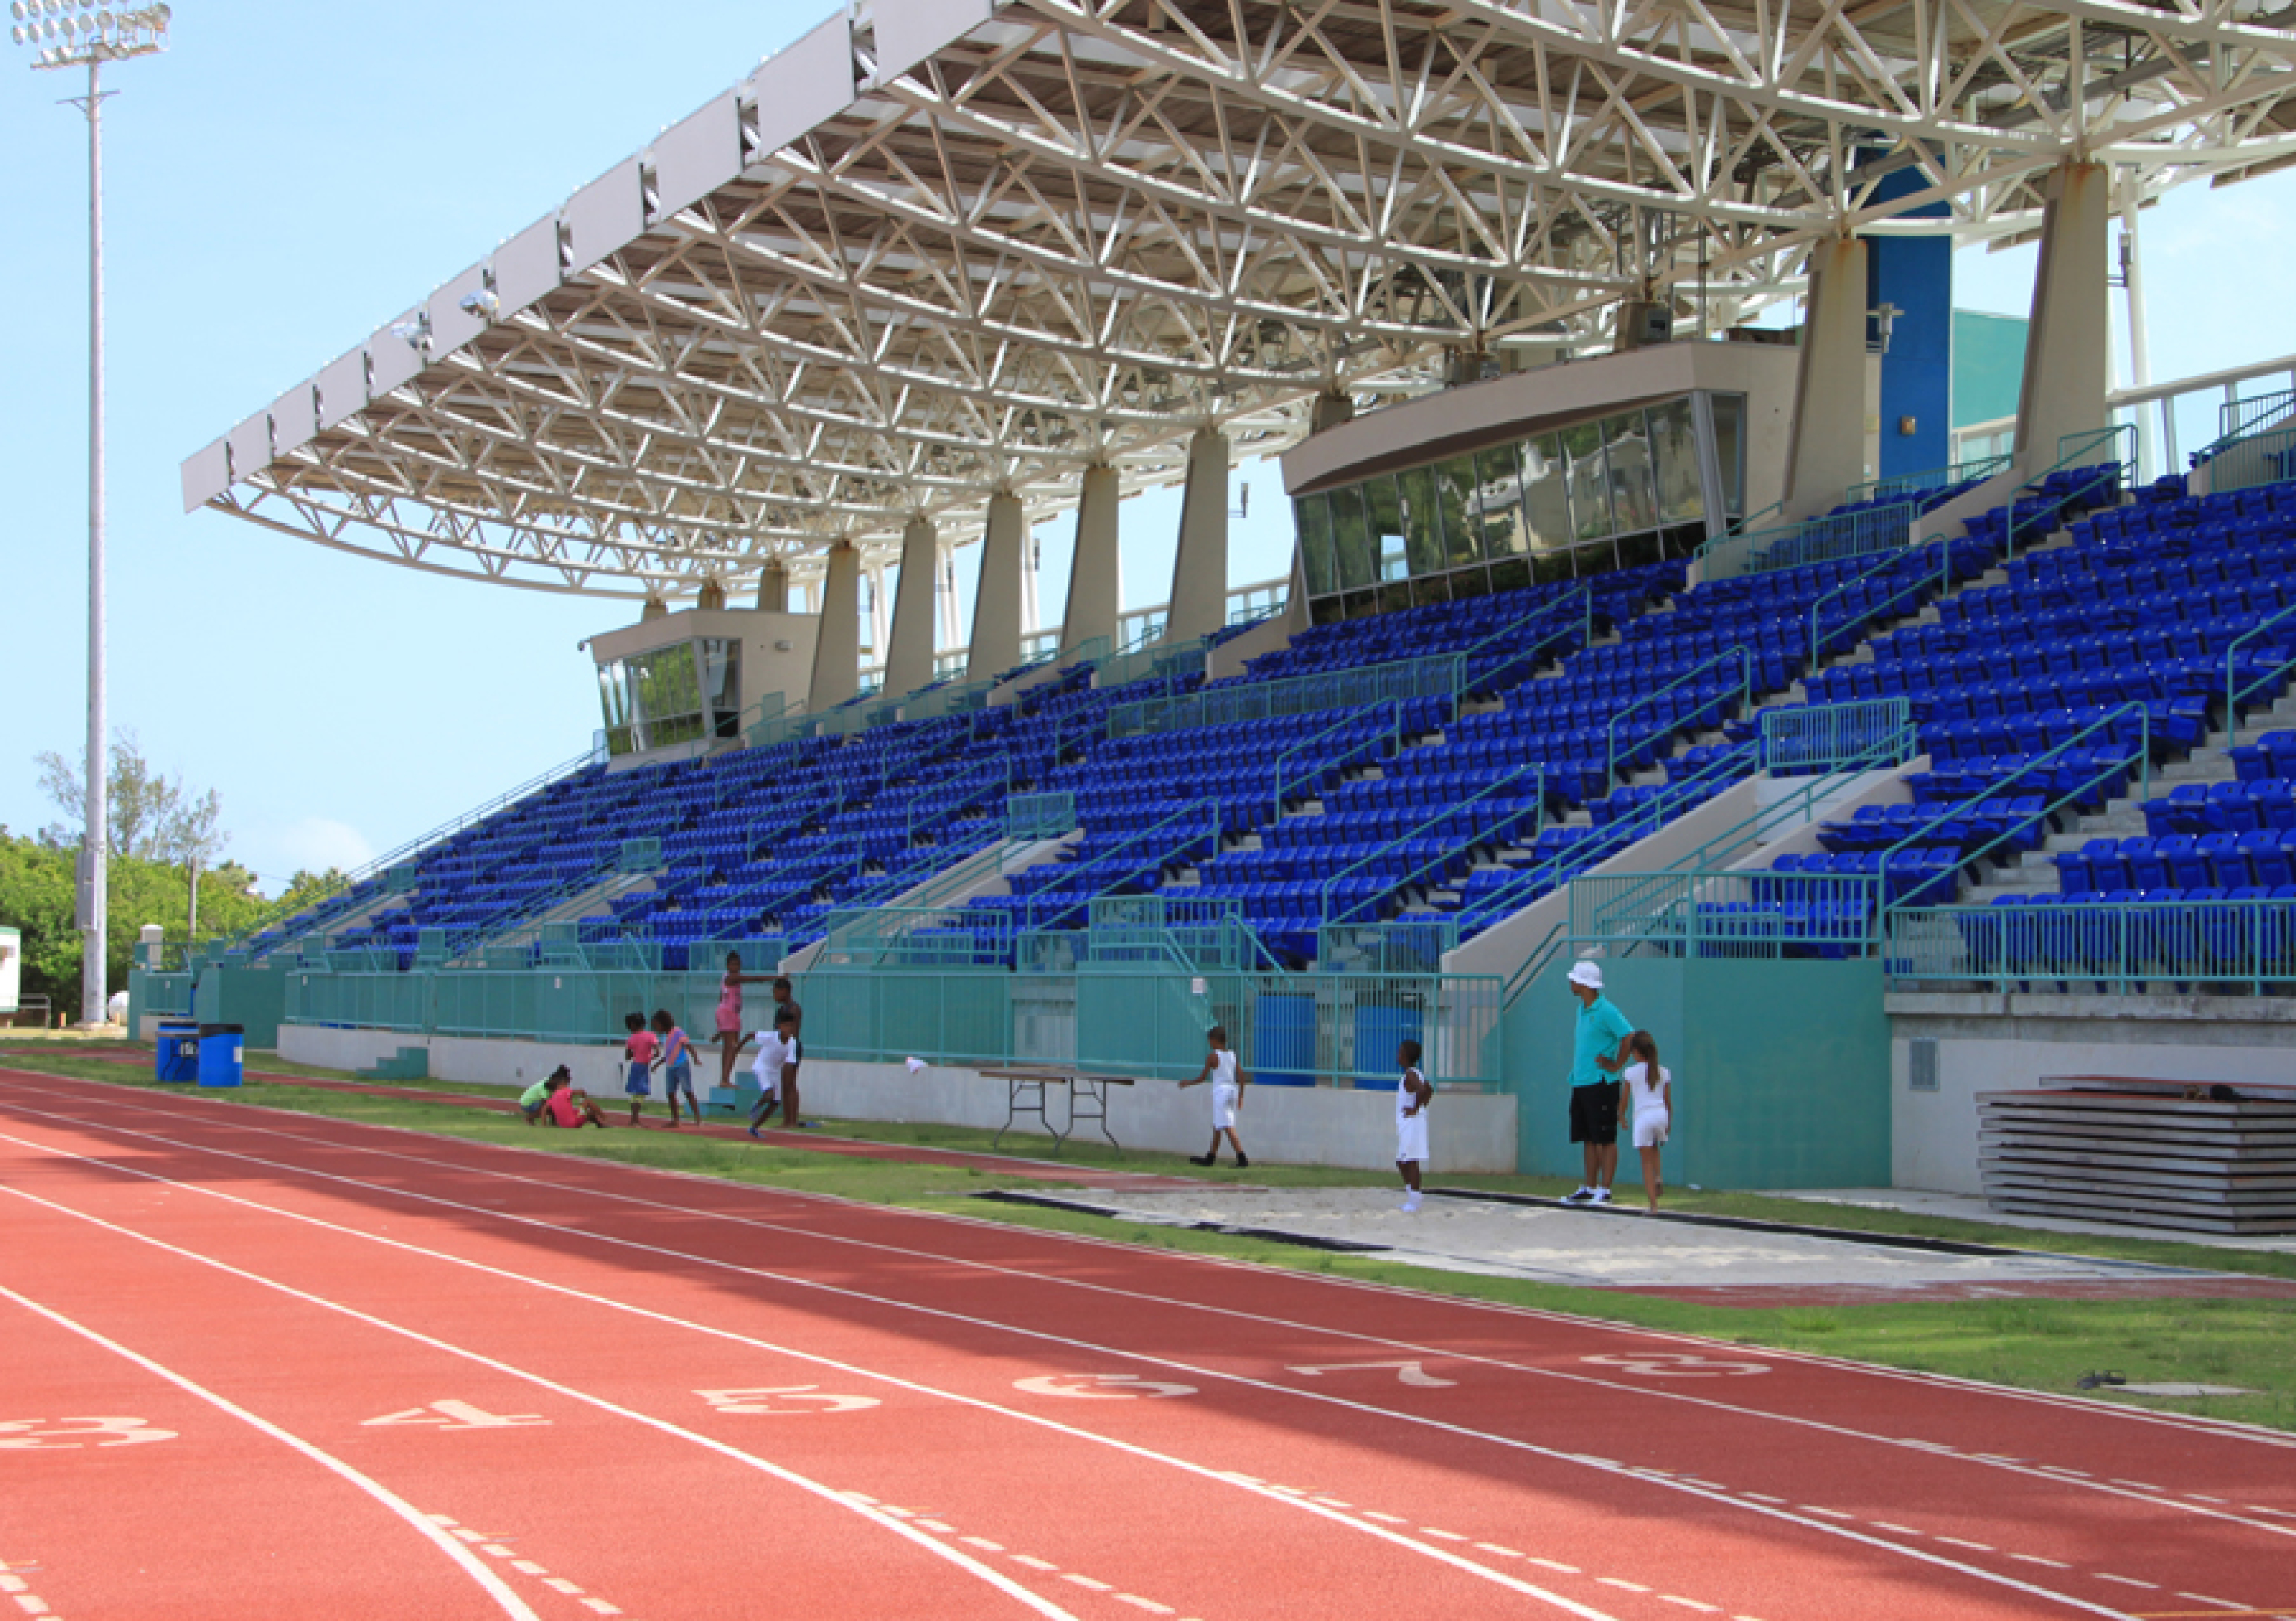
x,y
1988,365
251,996
1782,1071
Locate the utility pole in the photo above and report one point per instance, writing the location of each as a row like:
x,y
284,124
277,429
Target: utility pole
x,y
68,34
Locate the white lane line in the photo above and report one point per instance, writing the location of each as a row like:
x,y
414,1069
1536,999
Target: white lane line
x,y
1617,1469
1883,1525
1505,1553
1086,1580
175,1111
1962,1542
2125,1581
315,1139
1811,1508
1033,1562
510,1601
2035,1558
1449,1536
493,1585
1150,1605
1621,1582
1427,1550
1710,1609
2202,1598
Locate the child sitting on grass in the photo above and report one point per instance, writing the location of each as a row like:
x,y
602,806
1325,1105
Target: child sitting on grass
x,y
570,1108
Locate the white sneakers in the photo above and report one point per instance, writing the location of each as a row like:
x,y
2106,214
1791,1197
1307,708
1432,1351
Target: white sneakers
x,y
1589,1196
1410,1205
1602,1197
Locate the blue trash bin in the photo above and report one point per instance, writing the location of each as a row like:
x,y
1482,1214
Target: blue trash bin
x,y
219,1059
176,1055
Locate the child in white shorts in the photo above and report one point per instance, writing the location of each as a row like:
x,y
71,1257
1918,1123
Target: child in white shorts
x,y
1228,1083
1412,1094
1650,1089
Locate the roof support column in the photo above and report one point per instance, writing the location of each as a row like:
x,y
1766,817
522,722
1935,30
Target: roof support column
x,y
1095,572
1329,410
909,659
2068,346
837,642
773,586
1826,454
1199,595
995,643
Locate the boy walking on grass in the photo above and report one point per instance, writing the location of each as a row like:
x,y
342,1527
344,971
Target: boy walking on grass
x,y
1228,1097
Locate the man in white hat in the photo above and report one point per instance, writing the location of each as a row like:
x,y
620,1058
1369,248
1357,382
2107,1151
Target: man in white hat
x,y
1598,1052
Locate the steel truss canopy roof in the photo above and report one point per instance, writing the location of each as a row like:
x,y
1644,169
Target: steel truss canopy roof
x,y
940,248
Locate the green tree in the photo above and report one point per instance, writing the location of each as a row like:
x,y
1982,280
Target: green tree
x,y
151,815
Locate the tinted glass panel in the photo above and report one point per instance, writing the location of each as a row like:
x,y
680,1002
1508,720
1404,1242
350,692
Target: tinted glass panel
x,y
1673,443
1386,516
1455,497
1394,596
1546,493
1634,494
1730,449
1551,567
1470,581
1352,538
1499,492
1513,574
1435,590
1423,528
1314,515
1590,495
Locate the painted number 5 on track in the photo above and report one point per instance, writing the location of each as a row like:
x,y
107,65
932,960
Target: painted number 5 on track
x,y
58,1435
1676,1364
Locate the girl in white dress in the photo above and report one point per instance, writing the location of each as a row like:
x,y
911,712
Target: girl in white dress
x,y
1651,1088
1412,1094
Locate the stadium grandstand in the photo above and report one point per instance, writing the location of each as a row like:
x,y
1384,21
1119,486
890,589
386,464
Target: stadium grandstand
x,y
1649,601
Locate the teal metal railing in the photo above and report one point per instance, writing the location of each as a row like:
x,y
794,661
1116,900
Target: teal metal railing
x,y
1813,540
2256,443
1307,760
1039,815
1867,735
2266,673
639,855
1838,619
1507,827
1931,479
2121,948
2108,449
1702,912
1735,699
1509,650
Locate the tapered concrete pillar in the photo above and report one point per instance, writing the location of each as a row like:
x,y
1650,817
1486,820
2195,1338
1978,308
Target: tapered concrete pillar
x,y
837,642
773,586
712,596
1329,411
1095,571
995,643
654,608
2068,343
909,661
1826,454
1199,595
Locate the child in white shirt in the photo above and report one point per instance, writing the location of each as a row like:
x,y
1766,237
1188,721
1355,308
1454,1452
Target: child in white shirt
x,y
776,1068
1228,1097
1651,1089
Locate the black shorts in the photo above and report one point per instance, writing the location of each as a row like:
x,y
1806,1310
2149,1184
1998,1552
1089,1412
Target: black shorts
x,y
1595,1113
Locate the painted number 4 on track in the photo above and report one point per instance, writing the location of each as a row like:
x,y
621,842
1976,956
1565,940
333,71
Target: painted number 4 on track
x,y
457,1415
59,1435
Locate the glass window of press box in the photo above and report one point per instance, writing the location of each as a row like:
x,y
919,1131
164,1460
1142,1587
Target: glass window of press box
x,y
669,695
1622,490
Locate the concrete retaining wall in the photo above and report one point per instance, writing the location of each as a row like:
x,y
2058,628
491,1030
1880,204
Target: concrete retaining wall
x,y
2016,1043
1283,1125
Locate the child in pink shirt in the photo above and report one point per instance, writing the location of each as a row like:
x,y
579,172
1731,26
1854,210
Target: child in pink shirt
x,y
637,1053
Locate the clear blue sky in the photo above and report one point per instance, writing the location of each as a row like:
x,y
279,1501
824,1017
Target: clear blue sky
x,y
283,181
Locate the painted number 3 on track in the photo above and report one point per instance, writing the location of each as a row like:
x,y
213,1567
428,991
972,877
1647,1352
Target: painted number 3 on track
x,y
57,1434
1676,1364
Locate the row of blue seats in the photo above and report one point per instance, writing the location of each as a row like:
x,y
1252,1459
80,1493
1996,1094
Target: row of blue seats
x,y
2238,807
2266,856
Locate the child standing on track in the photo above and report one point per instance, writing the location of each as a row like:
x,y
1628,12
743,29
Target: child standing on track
x,y
677,1064
776,1072
637,1056
1228,1097
1412,1094
1651,1088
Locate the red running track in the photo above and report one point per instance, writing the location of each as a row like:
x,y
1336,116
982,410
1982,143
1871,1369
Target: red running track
x,y
612,1390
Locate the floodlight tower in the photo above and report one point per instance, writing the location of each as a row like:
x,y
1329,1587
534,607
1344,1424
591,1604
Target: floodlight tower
x,y
72,34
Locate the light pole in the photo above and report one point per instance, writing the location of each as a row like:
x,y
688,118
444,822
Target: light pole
x,y
72,34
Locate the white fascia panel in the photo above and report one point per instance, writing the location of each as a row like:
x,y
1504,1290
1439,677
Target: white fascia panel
x,y
451,325
526,266
251,447
207,474
396,362
910,31
694,157
604,215
805,85
342,389
294,419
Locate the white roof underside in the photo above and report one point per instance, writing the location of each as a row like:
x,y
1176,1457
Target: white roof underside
x,y
938,249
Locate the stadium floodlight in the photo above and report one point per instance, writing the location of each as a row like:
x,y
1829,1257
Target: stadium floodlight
x,y
93,36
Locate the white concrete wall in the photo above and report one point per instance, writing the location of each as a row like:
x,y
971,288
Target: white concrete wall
x,y
1284,1125
2016,1043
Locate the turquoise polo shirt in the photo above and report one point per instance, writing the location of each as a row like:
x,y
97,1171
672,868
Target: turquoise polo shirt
x,y
1601,1029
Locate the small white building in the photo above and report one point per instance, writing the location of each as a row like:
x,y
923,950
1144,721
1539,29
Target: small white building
x,y
11,971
